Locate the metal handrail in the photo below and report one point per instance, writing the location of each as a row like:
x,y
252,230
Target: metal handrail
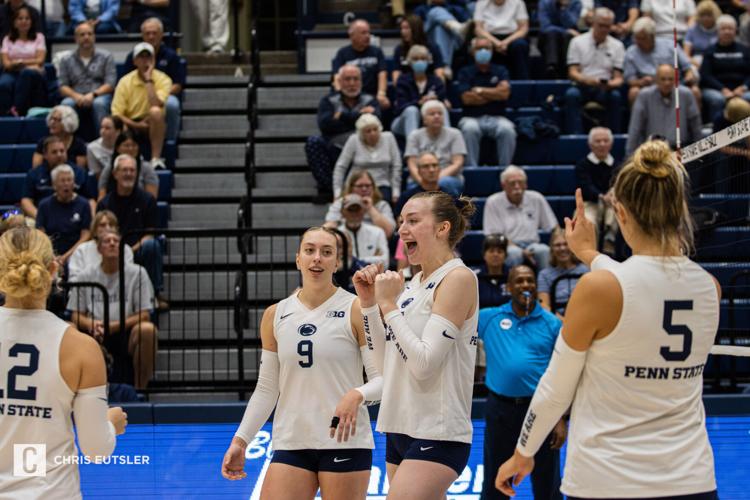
x,y
91,284
553,289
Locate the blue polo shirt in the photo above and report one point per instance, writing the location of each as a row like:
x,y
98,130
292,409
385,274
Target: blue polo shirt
x,y
38,183
518,349
63,222
471,76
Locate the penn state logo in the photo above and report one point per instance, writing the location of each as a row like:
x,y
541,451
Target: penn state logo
x,y
407,302
430,286
307,329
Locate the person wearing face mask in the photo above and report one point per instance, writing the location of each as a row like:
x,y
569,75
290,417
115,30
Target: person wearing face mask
x,y
414,89
484,90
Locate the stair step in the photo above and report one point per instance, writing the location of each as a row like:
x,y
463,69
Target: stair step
x,y
214,195
288,215
290,97
265,250
222,99
211,154
210,181
193,215
204,364
284,179
205,324
280,154
322,79
234,135
224,122
197,59
219,285
214,81
298,126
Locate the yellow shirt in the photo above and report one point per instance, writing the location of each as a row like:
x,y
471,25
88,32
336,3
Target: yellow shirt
x,y
131,95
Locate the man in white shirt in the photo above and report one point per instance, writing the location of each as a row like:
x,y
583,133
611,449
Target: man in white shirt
x,y
506,24
368,241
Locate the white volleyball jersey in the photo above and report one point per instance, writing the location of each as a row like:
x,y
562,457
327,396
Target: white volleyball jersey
x,y
319,362
638,426
438,408
35,407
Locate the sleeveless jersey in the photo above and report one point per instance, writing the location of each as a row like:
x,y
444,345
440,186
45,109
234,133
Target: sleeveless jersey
x,y
319,362
438,408
35,406
638,426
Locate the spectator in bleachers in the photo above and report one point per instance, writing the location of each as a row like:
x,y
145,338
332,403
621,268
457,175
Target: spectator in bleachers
x,y
446,143
54,17
135,210
447,25
558,23
562,262
86,254
412,33
428,177
595,63
369,243
101,15
135,339
484,90
65,217
140,100
647,54
22,83
653,113
148,180
663,14
492,276
213,20
168,62
373,150
704,33
141,10
626,12
38,184
338,113
348,264
378,211
62,122
506,24
88,76
414,89
519,214
8,10
594,175
99,152
725,70
368,58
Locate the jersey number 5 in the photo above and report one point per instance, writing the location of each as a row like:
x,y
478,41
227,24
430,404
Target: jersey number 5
x,y
687,335
30,392
305,348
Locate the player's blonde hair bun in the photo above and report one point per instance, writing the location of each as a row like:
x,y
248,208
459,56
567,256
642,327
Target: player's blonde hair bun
x,y
654,158
25,258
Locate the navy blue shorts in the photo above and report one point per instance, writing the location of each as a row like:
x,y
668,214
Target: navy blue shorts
x,y
400,447
344,460
709,495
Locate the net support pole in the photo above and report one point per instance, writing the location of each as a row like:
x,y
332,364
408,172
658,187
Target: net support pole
x,y
676,79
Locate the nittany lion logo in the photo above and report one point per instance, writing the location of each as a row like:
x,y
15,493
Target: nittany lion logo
x,y
307,329
407,302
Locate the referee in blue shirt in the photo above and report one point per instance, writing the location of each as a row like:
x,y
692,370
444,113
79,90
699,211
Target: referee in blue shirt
x,y
518,340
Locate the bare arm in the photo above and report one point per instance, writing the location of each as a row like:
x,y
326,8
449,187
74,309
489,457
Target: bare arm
x,y
457,163
27,205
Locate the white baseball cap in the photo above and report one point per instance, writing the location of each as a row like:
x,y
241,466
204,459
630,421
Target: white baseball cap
x,y
143,47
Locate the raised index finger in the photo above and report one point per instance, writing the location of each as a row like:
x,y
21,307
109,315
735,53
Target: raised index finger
x,y
580,210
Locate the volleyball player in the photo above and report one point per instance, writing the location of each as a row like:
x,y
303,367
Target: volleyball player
x,y
427,357
47,370
631,353
311,367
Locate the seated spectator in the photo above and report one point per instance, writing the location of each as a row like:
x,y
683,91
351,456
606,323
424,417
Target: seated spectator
x,y
703,34
519,214
8,10
369,242
86,254
414,89
492,276
65,217
99,152
595,62
412,33
54,17
447,25
38,184
22,83
125,144
136,338
62,122
446,143
168,62
725,70
664,15
594,175
377,210
141,10
369,59
135,210
140,100
558,23
428,177
647,54
338,113
88,76
372,150
505,23
347,266
562,263
101,15
653,113
626,12
484,90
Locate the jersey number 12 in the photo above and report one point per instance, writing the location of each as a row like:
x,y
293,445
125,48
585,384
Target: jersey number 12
x,y
19,370
687,335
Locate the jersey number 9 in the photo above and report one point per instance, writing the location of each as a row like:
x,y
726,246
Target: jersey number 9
x,y
305,349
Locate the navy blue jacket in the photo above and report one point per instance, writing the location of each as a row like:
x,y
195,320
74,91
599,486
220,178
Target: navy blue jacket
x,y
470,76
334,128
408,94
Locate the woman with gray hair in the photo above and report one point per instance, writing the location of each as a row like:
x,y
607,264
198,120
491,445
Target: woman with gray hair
x,y
414,89
372,150
62,122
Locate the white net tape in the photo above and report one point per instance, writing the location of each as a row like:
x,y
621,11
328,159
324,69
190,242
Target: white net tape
x,y
731,350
